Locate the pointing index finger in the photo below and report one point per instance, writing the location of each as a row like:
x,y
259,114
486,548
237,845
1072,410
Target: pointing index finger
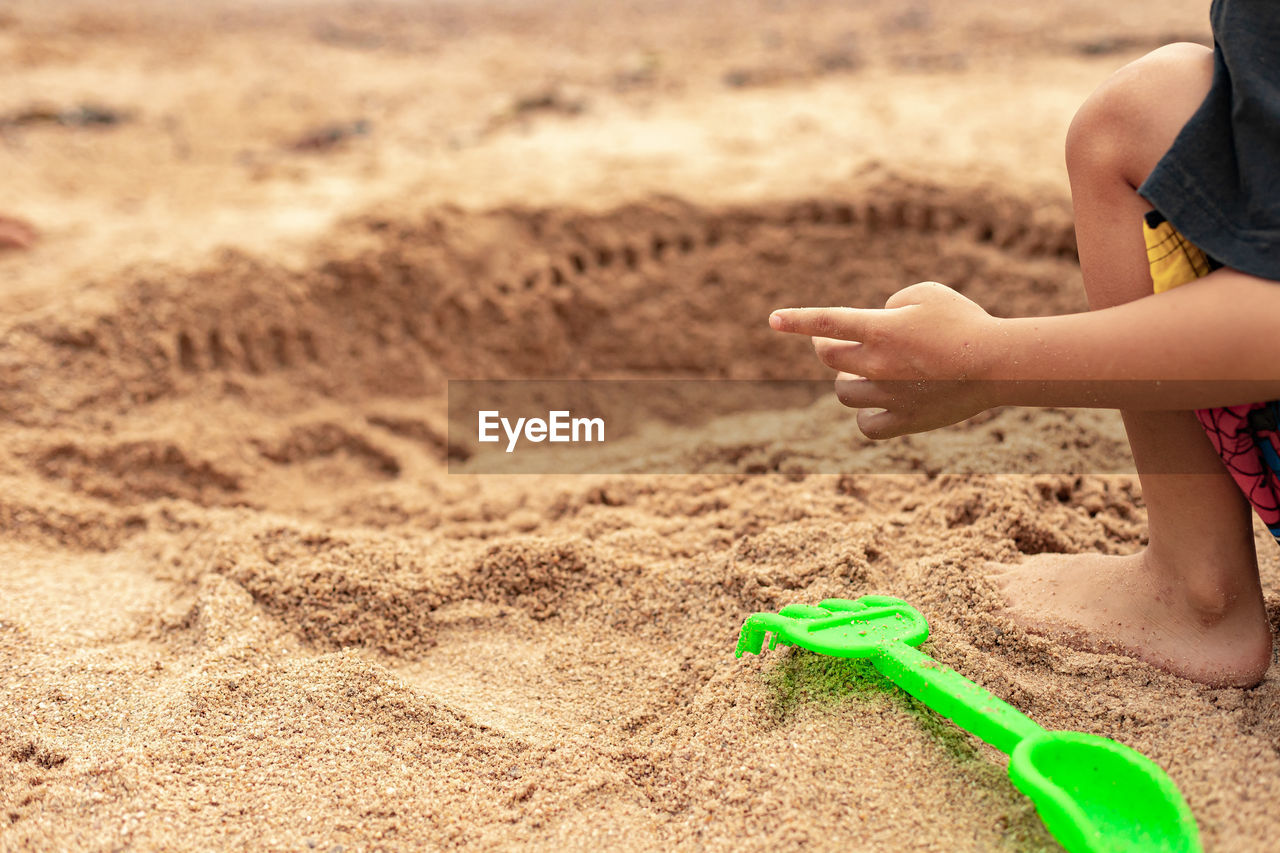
x,y
846,324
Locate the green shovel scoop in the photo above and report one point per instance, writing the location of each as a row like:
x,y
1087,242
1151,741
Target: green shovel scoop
x,y
1092,793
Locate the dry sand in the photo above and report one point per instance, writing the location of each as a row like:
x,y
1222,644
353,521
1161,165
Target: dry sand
x,y
245,605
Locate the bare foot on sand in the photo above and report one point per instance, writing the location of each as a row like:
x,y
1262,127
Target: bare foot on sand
x,y
1130,605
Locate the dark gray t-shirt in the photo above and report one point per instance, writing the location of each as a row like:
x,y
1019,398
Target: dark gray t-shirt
x,y
1219,184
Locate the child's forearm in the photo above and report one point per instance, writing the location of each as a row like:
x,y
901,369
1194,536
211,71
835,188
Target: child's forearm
x,y
1213,342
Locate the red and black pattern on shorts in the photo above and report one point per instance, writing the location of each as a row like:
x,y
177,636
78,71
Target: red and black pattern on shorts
x,y
1248,440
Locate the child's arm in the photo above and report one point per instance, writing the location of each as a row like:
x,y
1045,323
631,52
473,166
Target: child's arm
x,y
933,357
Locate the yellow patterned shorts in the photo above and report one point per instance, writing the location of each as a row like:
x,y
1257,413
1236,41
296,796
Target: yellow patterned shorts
x,y
1173,258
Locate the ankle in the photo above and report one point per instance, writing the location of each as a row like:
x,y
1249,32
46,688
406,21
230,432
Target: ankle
x,y
1211,605
1212,589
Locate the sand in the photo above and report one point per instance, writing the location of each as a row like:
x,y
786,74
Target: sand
x,y
250,596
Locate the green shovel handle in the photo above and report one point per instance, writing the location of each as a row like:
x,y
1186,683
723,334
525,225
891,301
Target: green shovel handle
x,y
955,697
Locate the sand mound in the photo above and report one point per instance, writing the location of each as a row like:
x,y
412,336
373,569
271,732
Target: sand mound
x,y
391,308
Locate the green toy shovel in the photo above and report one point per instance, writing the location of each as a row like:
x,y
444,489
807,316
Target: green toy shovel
x,y
1092,793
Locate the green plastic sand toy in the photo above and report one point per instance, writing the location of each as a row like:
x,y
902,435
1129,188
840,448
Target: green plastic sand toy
x,y
1092,793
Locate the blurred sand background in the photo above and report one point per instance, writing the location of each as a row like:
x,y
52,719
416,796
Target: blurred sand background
x,y
244,605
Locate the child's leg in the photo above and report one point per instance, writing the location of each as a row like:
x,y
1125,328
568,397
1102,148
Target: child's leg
x,y
1190,603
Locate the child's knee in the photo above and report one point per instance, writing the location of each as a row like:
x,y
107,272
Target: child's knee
x,y
1128,123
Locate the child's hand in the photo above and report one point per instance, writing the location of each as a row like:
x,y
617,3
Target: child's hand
x,y
907,367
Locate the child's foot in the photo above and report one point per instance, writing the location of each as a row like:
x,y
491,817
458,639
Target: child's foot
x,y
1126,604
